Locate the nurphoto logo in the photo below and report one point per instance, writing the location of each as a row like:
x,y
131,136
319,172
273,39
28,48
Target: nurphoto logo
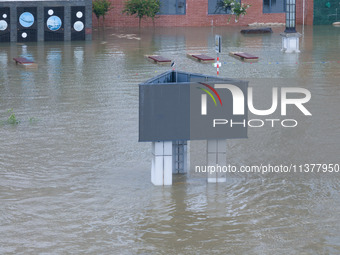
x,y
241,103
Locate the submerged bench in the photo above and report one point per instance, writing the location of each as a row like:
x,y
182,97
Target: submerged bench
x,y
25,62
265,30
201,58
243,56
156,59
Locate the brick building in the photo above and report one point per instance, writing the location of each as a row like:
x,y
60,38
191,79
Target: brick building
x,y
206,13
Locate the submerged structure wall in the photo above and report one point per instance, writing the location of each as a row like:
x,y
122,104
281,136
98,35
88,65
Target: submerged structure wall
x,y
56,20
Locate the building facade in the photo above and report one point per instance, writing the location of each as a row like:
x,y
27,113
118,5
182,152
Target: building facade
x,y
51,20
208,13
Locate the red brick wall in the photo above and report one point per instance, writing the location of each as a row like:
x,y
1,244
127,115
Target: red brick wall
x,y
197,15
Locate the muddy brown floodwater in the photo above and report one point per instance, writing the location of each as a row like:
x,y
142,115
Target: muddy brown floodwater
x,y
74,179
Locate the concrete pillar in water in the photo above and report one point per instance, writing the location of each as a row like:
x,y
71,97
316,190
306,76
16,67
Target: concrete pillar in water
x,y
161,169
290,42
216,159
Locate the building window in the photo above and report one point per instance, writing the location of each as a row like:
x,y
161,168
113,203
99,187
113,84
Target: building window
x,y
172,7
217,7
273,6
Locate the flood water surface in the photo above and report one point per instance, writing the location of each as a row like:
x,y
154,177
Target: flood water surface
x,y
74,179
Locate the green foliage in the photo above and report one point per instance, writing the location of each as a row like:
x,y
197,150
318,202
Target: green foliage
x,y
100,8
236,8
32,120
142,8
12,119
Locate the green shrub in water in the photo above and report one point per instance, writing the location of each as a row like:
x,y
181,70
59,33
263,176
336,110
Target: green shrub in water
x,y
12,119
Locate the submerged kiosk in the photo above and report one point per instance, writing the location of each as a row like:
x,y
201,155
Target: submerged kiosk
x,y
176,107
49,20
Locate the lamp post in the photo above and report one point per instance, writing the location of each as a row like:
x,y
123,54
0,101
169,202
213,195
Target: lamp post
x,y
290,16
290,38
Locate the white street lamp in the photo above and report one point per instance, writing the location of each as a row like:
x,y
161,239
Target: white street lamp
x,y
290,38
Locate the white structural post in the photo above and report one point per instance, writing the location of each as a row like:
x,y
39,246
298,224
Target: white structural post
x,y
161,169
290,42
290,38
303,20
216,160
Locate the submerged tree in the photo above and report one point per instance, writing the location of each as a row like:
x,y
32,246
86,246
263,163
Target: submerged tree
x,y
100,8
142,8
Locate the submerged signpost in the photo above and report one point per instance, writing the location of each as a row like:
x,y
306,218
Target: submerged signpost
x,y
218,49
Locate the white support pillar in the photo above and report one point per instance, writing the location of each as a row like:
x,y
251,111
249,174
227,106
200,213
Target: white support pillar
x,y
161,169
290,42
216,159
